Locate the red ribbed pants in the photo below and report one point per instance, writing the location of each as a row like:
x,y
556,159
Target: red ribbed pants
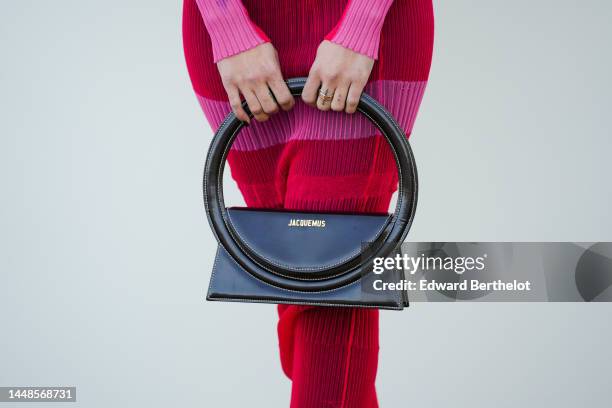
x,y
292,162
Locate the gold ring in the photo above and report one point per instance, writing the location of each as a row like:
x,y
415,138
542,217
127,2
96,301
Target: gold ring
x,y
324,96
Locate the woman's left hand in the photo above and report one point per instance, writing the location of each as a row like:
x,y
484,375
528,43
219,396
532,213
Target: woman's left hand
x,y
339,73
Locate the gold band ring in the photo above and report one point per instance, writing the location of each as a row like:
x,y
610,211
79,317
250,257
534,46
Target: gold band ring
x,y
324,96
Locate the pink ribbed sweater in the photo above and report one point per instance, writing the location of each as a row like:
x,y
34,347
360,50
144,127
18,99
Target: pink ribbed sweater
x,y
231,30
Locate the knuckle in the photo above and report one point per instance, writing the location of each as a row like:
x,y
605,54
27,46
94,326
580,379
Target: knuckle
x,y
330,76
272,109
284,101
357,77
229,78
238,79
315,71
249,78
253,77
268,71
308,98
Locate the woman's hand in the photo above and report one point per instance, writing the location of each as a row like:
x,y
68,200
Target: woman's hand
x,y
256,75
342,73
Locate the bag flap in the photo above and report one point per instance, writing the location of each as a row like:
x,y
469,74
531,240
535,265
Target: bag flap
x,y
305,242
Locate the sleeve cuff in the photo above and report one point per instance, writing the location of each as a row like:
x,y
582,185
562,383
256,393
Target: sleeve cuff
x,y
230,29
360,27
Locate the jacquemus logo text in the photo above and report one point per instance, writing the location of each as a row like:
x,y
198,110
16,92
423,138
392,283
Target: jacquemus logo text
x,y
293,222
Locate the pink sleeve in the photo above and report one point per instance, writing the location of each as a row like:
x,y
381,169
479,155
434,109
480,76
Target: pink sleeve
x,y
360,26
230,28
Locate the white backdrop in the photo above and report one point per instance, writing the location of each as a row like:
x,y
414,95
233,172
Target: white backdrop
x,y
105,249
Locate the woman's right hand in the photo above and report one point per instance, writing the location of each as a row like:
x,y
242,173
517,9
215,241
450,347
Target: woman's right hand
x,y
255,74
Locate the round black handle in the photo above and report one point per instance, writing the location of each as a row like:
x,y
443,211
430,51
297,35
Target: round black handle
x,y
339,275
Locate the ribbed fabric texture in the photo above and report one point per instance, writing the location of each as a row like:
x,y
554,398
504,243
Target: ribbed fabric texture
x,y
230,28
333,355
232,31
359,28
309,160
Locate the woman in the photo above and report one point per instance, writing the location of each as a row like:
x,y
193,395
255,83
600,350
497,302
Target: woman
x,y
308,159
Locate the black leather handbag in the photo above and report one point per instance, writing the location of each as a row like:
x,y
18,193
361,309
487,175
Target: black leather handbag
x,y
307,258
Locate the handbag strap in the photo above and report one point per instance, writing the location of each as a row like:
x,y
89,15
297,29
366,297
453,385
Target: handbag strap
x,y
340,275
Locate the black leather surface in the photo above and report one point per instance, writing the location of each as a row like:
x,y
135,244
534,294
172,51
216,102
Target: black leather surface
x,y
229,282
284,238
